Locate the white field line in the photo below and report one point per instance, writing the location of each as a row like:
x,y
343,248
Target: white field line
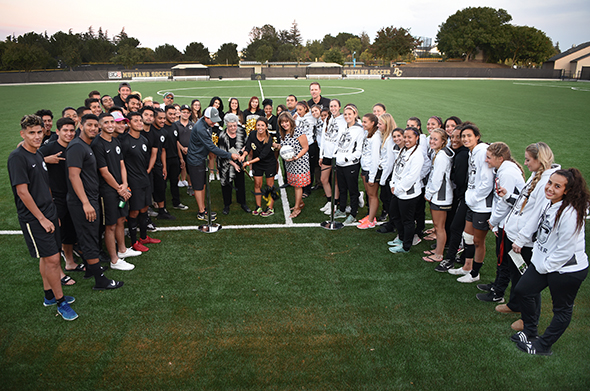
x,y
261,93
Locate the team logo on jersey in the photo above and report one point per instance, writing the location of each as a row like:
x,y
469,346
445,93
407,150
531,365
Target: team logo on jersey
x,y
544,230
176,133
344,142
162,138
144,147
118,150
472,173
253,146
44,166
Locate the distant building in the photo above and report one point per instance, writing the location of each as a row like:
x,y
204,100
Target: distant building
x,y
571,61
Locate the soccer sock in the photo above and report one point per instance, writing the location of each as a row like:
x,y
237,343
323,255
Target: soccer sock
x,y
142,219
132,225
475,269
469,251
49,294
329,199
61,300
96,271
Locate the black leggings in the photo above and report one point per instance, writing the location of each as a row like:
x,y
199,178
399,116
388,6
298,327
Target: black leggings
x,y
348,182
402,213
456,229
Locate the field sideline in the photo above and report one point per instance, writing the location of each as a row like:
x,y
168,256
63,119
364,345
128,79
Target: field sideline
x,y
255,307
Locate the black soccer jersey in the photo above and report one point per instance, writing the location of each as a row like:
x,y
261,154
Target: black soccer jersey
x,y
29,168
137,158
108,154
79,154
156,139
171,134
58,180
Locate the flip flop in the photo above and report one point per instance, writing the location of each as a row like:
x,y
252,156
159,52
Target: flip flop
x,y
430,258
430,237
430,252
67,281
78,268
295,213
429,231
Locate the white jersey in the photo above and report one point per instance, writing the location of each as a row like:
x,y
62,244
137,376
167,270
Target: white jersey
x,y
521,223
371,156
306,123
478,196
405,181
330,136
387,155
510,178
350,145
439,189
425,149
559,247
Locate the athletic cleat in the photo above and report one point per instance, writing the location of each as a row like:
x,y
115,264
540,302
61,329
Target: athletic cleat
x,y
444,266
382,217
492,297
485,287
48,303
139,247
129,252
349,220
151,226
122,265
398,250
203,216
468,278
180,207
257,211
328,211
395,242
268,212
149,240
366,224
66,311
339,214
520,337
361,199
459,271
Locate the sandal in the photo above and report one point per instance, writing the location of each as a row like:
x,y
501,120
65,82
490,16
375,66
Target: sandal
x,y
78,268
432,236
429,231
430,252
433,258
301,206
305,195
295,213
67,281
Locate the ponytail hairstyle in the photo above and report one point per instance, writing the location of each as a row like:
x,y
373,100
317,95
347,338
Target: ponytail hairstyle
x,y
544,155
372,118
352,106
438,120
389,122
417,133
576,195
418,122
444,137
502,150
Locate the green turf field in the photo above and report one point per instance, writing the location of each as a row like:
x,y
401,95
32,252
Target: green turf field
x,y
291,307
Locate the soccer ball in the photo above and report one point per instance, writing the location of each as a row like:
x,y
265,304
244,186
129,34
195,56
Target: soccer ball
x,y
287,152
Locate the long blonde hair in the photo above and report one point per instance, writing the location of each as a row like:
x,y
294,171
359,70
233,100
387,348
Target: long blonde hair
x,y
444,137
500,149
389,122
542,153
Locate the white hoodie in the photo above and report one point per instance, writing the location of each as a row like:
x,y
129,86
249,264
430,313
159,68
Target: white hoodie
x,y
478,196
330,136
439,189
510,178
521,226
350,145
370,158
387,157
405,181
559,248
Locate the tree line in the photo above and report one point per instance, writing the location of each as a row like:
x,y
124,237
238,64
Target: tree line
x,y
462,35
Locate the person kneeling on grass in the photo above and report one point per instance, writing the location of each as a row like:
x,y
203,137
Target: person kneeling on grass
x,y
260,146
37,213
559,261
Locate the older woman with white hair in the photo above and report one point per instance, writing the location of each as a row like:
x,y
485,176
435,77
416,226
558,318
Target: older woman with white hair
x,y
232,139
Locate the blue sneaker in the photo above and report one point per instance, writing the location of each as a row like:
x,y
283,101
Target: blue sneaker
x,y
47,303
397,242
66,311
398,250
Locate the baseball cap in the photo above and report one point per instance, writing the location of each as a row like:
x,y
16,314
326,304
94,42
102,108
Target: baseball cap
x,y
118,116
185,107
169,93
212,114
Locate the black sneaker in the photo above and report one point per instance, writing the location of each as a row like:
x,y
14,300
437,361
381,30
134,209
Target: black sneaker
x,y
444,266
225,210
108,284
203,216
383,216
485,287
522,337
246,208
490,297
163,214
533,348
384,229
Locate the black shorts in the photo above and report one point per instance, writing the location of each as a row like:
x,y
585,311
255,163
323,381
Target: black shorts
x,y
140,197
444,208
327,161
197,175
365,174
41,243
67,232
268,171
110,211
479,220
159,189
86,231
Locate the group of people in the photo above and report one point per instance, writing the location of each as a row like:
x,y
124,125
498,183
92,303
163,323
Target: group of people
x,y
110,160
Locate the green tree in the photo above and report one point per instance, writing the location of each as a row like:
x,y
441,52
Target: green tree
x,y
334,55
365,41
27,57
471,28
264,53
227,54
527,45
196,51
66,49
128,56
392,43
167,53
315,48
286,52
354,45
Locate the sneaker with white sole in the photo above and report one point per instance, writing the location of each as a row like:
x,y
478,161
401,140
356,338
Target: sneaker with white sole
x,y
151,212
129,252
47,303
328,211
361,199
339,215
490,296
416,240
367,224
326,207
468,278
122,265
66,311
349,220
398,250
181,184
180,207
348,209
459,271
395,242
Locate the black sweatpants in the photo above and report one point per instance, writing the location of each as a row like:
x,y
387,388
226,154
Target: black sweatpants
x,y
173,172
348,183
507,271
456,229
563,287
314,154
239,184
403,214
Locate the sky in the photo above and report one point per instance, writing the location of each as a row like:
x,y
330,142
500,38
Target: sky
x,y
181,22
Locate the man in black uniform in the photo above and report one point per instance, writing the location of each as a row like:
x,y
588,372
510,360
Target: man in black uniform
x,y
316,96
113,191
47,117
173,156
83,198
55,157
124,91
136,155
133,103
37,214
159,171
